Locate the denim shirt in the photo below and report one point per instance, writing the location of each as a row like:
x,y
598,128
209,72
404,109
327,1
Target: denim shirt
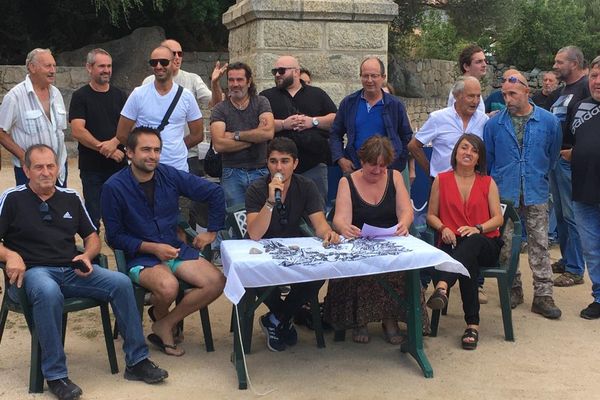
x,y
129,219
514,168
395,120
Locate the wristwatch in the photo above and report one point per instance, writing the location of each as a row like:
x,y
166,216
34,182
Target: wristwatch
x,y
236,136
315,122
479,227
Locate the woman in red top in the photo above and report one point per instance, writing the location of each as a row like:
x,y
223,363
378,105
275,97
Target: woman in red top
x,y
464,207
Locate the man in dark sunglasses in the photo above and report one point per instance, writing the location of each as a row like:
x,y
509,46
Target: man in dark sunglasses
x,y
522,146
38,224
271,215
303,113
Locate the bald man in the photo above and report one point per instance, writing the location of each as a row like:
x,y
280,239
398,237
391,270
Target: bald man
x,y
303,113
522,146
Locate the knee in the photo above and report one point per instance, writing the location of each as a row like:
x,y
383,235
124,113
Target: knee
x,y
167,289
216,281
48,294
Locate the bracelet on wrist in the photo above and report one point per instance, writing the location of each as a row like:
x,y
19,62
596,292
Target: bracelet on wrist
x,y
270,205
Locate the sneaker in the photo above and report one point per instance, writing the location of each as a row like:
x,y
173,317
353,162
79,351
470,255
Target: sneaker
x,y
145,371
545,306
591,312
288,333
483,299
273,333
64,389
567,279
216,258
516,297
558,267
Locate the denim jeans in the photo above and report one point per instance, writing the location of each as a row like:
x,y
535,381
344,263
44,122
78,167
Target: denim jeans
x,y
235,181
46,289
318,174
588,223
568,236
21,178
92,182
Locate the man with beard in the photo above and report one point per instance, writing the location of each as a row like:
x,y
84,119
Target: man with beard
x,y
148,105
549,85
304,114
33,112
240,128
568,64
94,113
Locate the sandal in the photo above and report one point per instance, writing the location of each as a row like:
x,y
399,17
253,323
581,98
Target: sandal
x,y
168,349
177,331
361,335
438,300
568,279
470,333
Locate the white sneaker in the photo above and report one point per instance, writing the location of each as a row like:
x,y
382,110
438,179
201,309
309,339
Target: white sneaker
x,y
216,258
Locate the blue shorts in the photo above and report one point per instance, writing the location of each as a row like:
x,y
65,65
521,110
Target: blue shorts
x,y
134,272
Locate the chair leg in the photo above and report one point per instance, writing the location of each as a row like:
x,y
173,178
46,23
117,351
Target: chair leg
x,y
3,317
339,336
64,327
116,331
504,291
108,338
315,309
435,321
206,329
36,379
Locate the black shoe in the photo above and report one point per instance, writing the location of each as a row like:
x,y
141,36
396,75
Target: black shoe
x,y
591,312
516,297
145,371
558,267
545,306
288,333
64,389
272,332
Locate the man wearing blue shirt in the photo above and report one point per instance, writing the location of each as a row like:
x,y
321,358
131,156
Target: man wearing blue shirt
x,y
140,211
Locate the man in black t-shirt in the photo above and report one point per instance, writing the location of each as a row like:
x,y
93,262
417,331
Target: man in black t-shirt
x,y
268,218
94,113
303,113
585,159
38,224
549,85
568,64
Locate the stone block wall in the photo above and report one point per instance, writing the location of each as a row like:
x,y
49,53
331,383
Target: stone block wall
x,y
419,109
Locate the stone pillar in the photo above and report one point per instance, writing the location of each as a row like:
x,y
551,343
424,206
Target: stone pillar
x,y
329,37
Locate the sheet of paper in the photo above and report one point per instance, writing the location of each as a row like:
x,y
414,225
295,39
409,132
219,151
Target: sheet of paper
x,y
373,231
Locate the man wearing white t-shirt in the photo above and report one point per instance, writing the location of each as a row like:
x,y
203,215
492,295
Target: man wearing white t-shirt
x,y
443,127
148,104
471,62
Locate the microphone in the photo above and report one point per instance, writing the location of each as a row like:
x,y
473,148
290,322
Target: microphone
x,y
279,176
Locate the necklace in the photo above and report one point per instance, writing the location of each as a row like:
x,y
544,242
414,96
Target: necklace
x,y
242,105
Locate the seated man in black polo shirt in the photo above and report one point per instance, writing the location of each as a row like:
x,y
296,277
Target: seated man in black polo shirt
x,y
270,219
38,222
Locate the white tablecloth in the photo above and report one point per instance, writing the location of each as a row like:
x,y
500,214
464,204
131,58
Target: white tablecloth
x,y
307,260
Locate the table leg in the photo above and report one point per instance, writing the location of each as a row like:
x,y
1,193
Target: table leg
x,y
239,327
414,344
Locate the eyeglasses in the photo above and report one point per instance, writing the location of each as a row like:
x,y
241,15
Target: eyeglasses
x,y
514,79
366,77
177,53
280,70
45,212
283,214
155,61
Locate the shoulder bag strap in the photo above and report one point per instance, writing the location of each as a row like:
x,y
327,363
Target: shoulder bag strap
x,y
165,120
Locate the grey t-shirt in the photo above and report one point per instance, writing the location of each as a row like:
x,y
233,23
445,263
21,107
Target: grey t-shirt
x,y
254,156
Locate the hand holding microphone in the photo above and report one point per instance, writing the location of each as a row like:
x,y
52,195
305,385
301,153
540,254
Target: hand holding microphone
x,y
278,176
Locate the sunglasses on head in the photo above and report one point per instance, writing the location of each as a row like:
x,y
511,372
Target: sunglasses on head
x,y
280,70
45,212
514,79
177,53
155,61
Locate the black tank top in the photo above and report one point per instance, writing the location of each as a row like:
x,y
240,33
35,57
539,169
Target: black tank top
x,y
383,214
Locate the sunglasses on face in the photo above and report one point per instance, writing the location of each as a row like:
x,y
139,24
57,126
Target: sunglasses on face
x,y
155,61
514,79
178,53
280,70
45,212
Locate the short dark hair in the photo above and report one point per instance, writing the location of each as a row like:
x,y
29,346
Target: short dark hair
x,y
305,71
477,143
376,146
381,65
39,147
465,56
283,145
248,71
132,139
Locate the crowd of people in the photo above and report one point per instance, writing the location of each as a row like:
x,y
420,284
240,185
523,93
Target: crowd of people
x,y
141,174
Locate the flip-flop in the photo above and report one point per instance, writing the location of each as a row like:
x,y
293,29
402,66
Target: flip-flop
x,y
438,299
177,332
158,342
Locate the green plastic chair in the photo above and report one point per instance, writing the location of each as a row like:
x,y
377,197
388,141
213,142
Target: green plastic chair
x,y
504,273
140,292
36,379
